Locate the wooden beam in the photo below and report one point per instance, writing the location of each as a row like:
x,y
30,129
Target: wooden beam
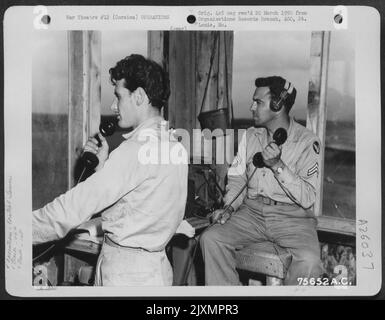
x,y
84,49
337,225
229,52
316,115
76,117
94,57
174,86
225,70
213,89
158,51
181,67
194,88
155,46
207,85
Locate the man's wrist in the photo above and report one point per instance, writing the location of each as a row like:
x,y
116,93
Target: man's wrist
x,y
229,209
278,167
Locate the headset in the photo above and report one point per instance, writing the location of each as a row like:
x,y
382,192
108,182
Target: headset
x,y
286,91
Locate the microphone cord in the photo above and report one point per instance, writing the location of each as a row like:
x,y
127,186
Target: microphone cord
x,y
279,137
43,253
107,129
81,175
191,260
54,245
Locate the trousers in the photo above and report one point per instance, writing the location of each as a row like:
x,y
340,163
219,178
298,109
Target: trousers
x,y
287,226
125,266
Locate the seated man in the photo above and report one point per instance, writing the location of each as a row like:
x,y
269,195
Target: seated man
x,y
277,205
143,197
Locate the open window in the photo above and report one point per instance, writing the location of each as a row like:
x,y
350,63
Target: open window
x,y
321,66
66,113
339,180
50,163
71,91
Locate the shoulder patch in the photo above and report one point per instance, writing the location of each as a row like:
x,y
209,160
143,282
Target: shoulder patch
x,y
316,147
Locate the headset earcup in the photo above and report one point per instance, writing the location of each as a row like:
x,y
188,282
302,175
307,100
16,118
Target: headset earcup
x,y
274,106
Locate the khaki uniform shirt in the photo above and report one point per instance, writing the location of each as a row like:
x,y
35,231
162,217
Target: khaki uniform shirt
x,y
297,184
144,193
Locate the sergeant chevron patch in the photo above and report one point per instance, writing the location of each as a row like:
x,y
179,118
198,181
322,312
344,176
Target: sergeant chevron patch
x,y
313,170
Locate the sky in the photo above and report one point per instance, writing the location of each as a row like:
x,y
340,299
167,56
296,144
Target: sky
x,y
287,54
256,53
50,61
116,46
263,54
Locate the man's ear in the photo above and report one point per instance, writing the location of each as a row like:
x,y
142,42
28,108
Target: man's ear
x,y
283,110
140,96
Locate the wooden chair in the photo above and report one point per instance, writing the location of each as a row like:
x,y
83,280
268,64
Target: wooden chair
x,y
264,258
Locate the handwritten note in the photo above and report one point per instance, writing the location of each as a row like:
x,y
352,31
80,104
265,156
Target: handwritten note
x,y
14,234
364,243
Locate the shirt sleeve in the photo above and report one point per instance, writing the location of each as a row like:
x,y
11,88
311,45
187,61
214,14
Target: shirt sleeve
x,y
236,176
301,187
119,176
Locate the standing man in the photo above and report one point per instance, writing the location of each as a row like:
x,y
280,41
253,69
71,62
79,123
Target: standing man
x,y
143,201
277,205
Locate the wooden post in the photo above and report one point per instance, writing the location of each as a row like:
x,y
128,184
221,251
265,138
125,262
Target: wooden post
x,y
155,46
193,87
205,44
84,93
157,50
225,66
188,62
228,47
181,67
94,57
316,116
218,82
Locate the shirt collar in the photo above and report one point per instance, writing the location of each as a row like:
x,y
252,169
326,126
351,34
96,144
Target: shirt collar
x,y
149,123
290,130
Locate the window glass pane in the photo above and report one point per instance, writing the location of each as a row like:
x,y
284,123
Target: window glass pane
x,y
339,172
49,116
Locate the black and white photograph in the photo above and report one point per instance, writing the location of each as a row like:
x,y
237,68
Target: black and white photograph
x,y
200,158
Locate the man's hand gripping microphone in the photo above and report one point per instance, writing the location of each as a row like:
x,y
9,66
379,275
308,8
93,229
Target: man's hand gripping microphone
x,y
222,215
89,159
279,137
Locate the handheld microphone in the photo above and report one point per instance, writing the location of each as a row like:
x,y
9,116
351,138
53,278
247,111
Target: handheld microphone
x,y
90,160
279,137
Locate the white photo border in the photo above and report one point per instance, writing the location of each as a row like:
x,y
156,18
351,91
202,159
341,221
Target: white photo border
x,y
18,26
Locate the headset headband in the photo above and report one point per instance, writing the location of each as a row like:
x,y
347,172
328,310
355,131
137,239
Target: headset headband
x,y
288,87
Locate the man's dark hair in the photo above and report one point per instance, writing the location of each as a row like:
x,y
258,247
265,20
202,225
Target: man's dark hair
x,y
137,71
277,85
